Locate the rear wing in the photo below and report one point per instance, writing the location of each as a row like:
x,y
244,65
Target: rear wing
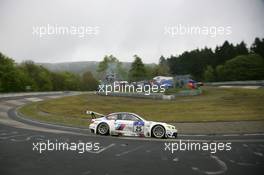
x,y
93,114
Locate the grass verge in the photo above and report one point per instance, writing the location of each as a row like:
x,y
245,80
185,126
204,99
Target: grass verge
x,y
215,104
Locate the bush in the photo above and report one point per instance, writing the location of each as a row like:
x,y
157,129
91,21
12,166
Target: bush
x,y
243,67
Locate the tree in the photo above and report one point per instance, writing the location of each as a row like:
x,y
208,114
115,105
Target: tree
x,y
111,64
258,47
137,71
58,81
209,74
40,77
162,69
88,82
241,49
243,67
193,62
223,53
72,81
28,76
10,77
221,74
103,65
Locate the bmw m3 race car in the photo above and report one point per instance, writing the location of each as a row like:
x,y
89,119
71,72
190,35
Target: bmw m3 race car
x,y
129,124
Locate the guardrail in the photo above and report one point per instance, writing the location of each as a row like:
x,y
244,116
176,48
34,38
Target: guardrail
x,y
6,95
159,96
238,83
129,94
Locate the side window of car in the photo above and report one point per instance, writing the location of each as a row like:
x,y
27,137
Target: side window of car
x,y
112,117
133,118
130,117
122,116
119,117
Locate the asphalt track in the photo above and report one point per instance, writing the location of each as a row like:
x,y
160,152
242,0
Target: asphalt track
x,y
115,155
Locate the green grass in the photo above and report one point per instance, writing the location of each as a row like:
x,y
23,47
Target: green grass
x,y
174,90
215,104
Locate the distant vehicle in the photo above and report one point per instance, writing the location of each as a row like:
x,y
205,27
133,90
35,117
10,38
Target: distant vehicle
x,y
193,84
167,82
130,124
199,84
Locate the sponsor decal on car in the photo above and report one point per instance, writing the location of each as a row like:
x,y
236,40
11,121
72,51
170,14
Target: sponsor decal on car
x,y
120,126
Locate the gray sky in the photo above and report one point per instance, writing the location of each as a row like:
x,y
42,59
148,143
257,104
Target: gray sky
x,y
126,27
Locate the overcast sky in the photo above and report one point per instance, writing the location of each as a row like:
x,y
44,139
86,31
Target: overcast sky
x,y
126,27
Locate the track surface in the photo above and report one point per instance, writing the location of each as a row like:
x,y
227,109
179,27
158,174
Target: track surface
x,y
116,155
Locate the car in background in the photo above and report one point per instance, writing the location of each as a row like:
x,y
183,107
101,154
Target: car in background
x,y
194,85
130,124
166,82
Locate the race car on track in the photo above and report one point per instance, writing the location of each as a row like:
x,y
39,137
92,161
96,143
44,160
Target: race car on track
x,y
129,124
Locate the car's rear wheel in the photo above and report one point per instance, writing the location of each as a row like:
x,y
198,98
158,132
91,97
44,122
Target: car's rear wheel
x,y
158,131
103,129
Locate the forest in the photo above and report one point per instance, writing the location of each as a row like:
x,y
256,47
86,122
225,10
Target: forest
x,y
227,62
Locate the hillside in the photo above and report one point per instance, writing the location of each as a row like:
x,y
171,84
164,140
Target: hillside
x,y
79,67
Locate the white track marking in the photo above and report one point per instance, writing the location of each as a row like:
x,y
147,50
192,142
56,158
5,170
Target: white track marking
x,y
4,107
243,87
9,133
4,115
245,145
34,99
230,135
103,149
190,135
258,154
245,164
8,137
32,93
176,159
53,96
15,102
36,137
254,134
128,151
242,163
220,163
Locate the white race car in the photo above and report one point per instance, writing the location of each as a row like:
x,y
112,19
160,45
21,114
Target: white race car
x,y
130,124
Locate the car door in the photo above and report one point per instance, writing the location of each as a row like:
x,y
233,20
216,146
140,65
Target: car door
x,y
122,126
129,124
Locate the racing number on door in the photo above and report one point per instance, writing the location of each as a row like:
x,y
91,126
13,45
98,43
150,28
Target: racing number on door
x,y
138,127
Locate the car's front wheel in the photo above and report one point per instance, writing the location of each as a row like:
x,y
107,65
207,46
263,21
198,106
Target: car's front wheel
x,y
158,131
103,129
